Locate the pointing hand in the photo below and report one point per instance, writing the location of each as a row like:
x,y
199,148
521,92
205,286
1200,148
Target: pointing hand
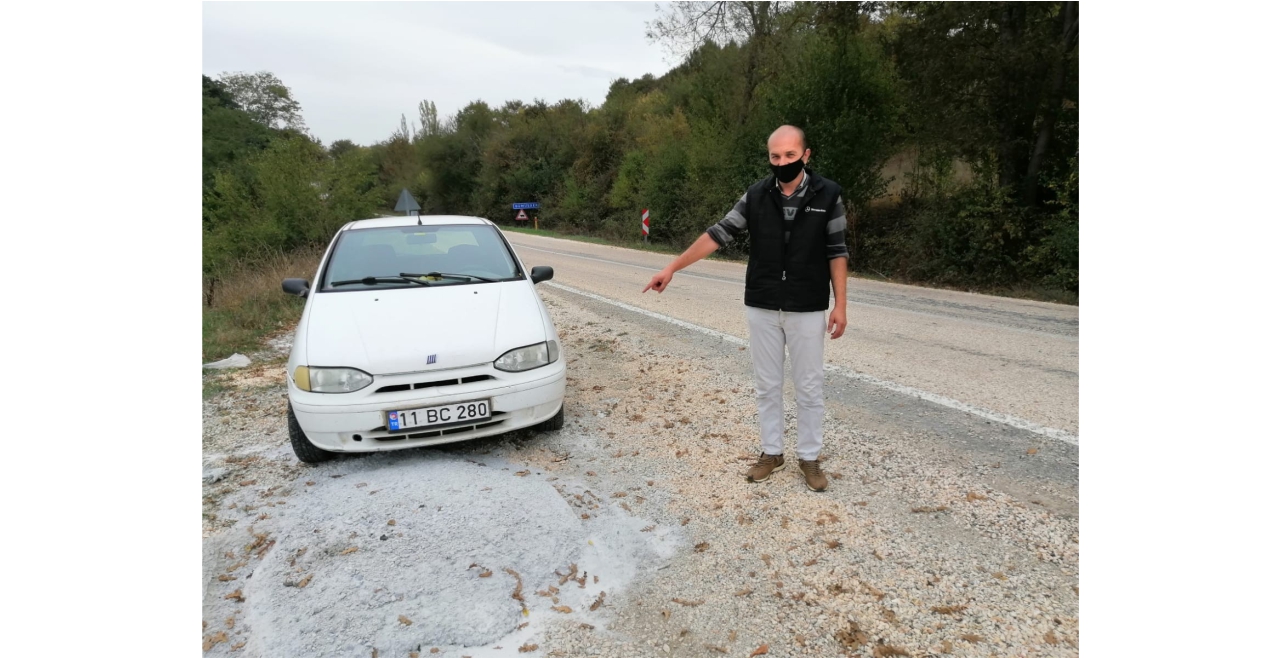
x,y
659,282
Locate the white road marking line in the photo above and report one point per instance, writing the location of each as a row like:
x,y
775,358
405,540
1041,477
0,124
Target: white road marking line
x,y
994,416
984,323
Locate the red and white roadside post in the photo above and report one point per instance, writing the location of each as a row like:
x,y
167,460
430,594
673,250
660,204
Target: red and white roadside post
x,y
645,223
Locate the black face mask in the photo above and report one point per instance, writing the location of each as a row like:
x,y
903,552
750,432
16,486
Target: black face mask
x,y
788,172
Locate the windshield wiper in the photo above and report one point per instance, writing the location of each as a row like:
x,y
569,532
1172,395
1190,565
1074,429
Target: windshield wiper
x,y
375,280
441,275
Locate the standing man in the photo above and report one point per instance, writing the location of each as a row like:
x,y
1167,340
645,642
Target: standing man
x,y
796,221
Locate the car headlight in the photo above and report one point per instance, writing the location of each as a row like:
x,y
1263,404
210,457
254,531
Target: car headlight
x,y
331,380
529,357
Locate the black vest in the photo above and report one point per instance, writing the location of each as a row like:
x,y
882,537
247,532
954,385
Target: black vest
x,y
795,276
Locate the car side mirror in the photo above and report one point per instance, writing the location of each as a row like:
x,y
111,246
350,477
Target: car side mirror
x,y
295,287
541,273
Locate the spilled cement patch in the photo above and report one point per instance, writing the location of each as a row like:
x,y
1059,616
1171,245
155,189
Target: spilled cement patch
x,y
422,549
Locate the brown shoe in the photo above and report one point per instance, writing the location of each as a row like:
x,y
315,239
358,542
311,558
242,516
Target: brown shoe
x,y
764,466
814,478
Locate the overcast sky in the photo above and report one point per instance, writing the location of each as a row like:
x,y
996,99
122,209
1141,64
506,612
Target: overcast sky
x,y
357,66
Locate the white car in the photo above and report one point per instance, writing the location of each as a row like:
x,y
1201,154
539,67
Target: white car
x,y
420,331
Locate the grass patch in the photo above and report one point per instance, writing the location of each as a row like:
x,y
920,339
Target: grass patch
x,y
248,304
213,384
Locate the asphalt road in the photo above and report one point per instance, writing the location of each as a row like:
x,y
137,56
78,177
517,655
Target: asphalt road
x,y
1009,361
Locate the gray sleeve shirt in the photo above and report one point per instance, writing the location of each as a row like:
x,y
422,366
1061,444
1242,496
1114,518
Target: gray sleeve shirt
x,y
734,223
836,233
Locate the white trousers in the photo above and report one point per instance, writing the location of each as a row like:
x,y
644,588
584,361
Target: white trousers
x,y
801,335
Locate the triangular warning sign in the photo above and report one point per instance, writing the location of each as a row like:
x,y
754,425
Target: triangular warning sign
x,y
522,215
406,202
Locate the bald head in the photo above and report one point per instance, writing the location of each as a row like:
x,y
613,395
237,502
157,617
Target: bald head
x,y
785,135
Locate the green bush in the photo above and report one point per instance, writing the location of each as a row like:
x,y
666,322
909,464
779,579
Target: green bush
x,y
1054,259
296,196
971,235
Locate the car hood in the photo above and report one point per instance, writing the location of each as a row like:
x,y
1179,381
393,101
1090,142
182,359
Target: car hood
x,y
396,331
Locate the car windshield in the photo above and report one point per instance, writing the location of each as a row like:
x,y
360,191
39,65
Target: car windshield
x,y
454,254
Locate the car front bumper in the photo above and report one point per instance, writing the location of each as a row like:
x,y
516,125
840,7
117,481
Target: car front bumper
x,y
361,427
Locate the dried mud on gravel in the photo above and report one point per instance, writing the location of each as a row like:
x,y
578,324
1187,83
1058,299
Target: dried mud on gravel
x,y
906,553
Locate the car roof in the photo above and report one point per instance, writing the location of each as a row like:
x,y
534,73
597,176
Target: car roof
x,y
407,220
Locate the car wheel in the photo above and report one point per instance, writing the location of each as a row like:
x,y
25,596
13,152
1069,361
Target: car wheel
x,y
303,448
554,423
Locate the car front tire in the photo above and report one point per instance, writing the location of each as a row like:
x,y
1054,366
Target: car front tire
x,y
303,448
554,423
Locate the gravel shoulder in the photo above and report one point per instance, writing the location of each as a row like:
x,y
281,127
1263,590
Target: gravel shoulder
x,y
939,534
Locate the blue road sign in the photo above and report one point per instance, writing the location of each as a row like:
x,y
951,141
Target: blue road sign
x,y
524,206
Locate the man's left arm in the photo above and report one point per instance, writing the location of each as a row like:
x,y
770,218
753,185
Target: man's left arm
x,y
838,260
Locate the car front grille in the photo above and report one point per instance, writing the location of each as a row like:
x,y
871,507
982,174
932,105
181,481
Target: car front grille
x,y
439,383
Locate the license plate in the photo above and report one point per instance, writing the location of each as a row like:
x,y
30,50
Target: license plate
x,y
458,413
